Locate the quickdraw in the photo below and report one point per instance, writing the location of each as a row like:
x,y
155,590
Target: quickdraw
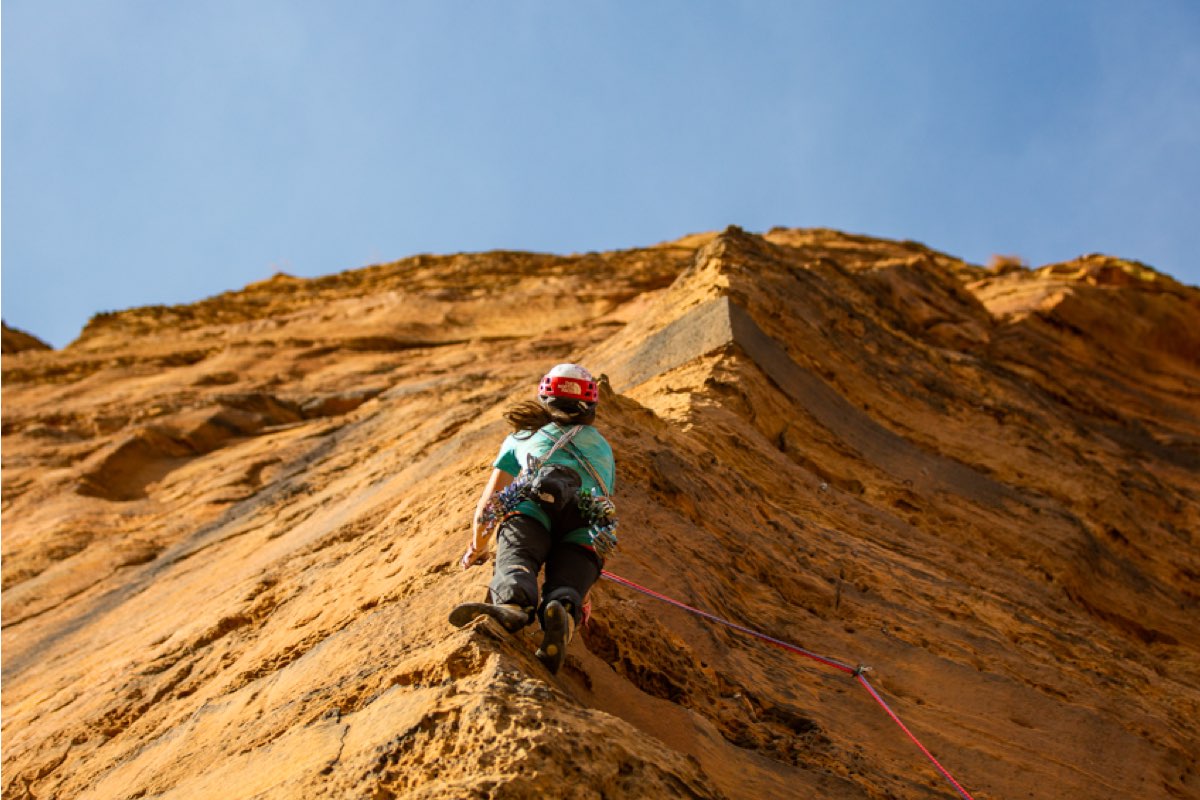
x,y
601,515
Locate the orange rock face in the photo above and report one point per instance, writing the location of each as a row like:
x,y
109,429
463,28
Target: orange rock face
x,y
17,341
231,532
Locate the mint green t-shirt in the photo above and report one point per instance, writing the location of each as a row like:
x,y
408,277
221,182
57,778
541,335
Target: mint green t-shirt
x,y
588,443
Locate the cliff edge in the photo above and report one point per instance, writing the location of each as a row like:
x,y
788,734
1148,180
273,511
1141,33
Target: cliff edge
x,y
231,531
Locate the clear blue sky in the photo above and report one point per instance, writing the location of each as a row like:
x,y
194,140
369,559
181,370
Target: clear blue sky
x,y
161,152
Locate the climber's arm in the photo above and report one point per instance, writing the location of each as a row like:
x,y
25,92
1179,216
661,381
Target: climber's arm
x,y
478,546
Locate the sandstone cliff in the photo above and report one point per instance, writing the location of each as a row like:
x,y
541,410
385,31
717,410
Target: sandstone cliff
x,y
230,531
16,340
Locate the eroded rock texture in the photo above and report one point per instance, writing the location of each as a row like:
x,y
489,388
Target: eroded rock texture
x,y
17,341
231,532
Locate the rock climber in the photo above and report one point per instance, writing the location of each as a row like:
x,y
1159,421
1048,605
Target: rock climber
x,y
548,503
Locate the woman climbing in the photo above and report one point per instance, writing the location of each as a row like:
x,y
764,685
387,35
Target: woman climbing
x,y
548,503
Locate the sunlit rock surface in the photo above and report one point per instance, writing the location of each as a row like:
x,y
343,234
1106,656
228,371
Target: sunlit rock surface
x,y
16,340
231,531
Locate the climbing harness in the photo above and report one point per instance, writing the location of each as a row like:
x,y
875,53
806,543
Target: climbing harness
x,y
856,672
596,508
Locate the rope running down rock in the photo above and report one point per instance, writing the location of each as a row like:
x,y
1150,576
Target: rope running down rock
x,y
856,672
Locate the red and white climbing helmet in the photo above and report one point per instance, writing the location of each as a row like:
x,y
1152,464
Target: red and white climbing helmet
x,y
571,382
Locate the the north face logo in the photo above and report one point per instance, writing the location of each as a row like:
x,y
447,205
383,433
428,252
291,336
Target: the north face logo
x,y
570,387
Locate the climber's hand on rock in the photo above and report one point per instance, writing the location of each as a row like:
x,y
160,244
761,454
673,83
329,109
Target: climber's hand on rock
x,y
472,557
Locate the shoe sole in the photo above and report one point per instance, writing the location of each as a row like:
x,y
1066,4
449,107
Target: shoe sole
x,y
465,614
553,650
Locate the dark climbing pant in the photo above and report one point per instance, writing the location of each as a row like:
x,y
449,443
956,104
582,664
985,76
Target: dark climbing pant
x,y
523,546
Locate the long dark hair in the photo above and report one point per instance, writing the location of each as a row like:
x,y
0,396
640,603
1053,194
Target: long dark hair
x,y
532,415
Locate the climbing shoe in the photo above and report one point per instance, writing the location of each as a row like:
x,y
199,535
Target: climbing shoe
x,y
511,617
558,626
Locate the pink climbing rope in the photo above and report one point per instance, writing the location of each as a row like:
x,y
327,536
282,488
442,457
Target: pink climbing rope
x,y
849,670
857,672
863,680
